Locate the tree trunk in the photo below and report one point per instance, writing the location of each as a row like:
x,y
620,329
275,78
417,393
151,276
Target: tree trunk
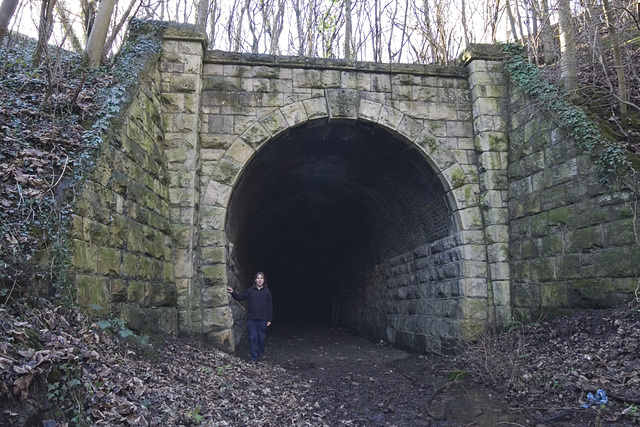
x,y
7,9
213,23
512,21
98,36
118,27
44,29
617,57
202,12
429,31
547,33
68,28
347,29
277,27
403,34
377,37
89,15
463,18
495,17
568,62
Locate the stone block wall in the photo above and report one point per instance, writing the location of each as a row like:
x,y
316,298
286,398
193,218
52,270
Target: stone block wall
x,y
257,97
529,227
572,242
489,97
121,234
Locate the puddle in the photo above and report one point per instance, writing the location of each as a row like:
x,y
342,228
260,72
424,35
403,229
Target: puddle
x,y
457,401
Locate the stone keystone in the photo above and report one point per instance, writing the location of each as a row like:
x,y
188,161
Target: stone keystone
x,y
343,103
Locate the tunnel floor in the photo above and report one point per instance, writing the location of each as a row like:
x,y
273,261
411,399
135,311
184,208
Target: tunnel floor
x,y
361,382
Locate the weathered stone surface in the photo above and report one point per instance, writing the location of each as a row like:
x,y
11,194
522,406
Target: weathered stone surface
x,y
151,320
528,226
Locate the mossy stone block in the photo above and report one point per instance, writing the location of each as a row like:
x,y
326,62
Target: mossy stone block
x,y
84,256
593,293
118,288
526,295
137,292
214,274
618,262
584,239
96,232
620,233
150,320
129,265
554,295
93,293
559,216
568,267
108,261
213,255
552,244
162,294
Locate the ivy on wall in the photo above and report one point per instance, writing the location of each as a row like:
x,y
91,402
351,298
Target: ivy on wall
x,y
609,157
37,224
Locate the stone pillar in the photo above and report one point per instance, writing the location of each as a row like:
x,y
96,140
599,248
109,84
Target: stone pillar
x,y
180,67
489,100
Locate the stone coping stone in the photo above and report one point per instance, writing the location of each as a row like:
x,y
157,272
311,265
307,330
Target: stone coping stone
x,y
239,58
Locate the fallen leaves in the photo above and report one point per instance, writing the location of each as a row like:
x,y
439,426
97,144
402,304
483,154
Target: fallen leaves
x,y
115,385
41,141
555,364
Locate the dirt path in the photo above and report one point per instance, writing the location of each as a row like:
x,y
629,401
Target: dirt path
x,y
358,382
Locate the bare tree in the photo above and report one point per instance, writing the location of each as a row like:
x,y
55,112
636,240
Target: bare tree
x,y
215,12
547,33
253,27
328,26
45,26
512,21
617,57
347,29
202,12
98,36
89,8
117,28
68,27
428,31
568,61
7,9
463,20
273,22
234,26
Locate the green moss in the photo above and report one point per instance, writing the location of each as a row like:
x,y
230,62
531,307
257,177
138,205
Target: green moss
x,y
458,178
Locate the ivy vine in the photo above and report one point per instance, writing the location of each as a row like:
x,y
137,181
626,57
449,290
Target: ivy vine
x,y
608,156
143,48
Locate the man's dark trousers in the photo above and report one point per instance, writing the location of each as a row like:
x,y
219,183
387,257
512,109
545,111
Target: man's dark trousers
x,y
257,333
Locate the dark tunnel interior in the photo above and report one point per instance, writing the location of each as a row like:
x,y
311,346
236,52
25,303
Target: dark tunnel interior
x,y
316,208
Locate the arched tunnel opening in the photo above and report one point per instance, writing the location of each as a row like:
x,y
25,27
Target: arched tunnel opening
x,y
319,208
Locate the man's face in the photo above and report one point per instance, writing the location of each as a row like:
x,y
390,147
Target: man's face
x,y
260,281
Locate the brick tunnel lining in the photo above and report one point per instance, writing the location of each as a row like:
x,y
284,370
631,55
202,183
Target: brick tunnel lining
x,y
319,207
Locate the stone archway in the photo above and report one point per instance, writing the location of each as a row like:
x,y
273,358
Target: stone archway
x,y
363,217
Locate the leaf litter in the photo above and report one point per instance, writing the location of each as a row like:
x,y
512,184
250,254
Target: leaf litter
x,y
539,374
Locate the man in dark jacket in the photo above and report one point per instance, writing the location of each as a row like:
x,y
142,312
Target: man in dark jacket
x,y
259,314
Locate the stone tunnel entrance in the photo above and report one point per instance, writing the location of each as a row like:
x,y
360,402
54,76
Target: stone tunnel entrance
x,y
340,217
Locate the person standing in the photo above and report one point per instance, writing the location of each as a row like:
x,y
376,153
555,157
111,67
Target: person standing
x,y
259,314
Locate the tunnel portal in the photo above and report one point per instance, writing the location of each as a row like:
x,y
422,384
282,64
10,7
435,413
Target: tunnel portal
x,y
321,207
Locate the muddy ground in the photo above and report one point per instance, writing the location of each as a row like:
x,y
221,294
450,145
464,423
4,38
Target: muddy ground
x,y
59,368
367,383
536,375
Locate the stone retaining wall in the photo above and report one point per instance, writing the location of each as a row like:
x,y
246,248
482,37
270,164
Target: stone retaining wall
x,y
572,242
121,230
